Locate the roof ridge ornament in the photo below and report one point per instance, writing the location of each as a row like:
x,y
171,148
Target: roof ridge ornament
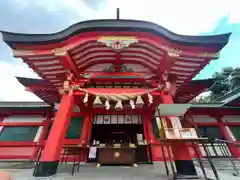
x,y
118,42
118,13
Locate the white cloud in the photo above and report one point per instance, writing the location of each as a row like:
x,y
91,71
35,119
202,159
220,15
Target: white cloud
x,y
184,17
11,89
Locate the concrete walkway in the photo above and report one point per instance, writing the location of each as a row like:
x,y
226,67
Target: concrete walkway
x,y
90,172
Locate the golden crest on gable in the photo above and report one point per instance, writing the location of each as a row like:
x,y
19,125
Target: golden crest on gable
x,y
118,42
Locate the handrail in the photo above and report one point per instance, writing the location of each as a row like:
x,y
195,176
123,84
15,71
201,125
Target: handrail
x,y
237,173
232,142
172,172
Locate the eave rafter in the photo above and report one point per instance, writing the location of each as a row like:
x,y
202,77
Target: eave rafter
x,y
145,50
94,62
66,60
49,95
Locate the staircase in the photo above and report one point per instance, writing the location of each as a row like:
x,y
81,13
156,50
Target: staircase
x,y
227,163
210,167
224,164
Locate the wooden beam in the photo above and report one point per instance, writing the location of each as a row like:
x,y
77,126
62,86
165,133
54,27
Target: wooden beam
x,y
115,90
156,102
166,63
90,63
118,61
66,60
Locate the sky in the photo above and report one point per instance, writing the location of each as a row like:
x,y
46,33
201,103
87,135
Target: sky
x,y
187,17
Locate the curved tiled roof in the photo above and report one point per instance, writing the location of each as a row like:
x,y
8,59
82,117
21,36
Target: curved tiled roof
x,y
219,41
192,89
45,90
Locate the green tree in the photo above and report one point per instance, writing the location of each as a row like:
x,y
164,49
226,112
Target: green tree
x,y
235,79
228,79
222,84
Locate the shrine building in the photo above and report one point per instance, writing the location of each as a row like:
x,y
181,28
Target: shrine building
x,y
117,89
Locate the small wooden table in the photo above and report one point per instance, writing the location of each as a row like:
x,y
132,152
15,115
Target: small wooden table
x,y
113,155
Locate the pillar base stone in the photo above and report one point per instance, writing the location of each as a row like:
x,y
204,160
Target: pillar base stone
x,y
46,169
185,167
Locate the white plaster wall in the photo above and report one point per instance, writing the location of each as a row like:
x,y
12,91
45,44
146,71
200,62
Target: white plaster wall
x,y
203,118
21,118
231,118
37,136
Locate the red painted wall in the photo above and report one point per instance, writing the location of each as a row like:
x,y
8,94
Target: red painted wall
x,y
30,153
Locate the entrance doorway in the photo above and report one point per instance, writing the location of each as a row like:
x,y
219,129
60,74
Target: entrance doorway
x,y
119,129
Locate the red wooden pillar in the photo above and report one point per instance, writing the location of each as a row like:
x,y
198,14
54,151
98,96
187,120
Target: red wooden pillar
x,y
90,122
84,137
86,134
182,157
84,130
146,131
151,138
233,148
52,151
145,127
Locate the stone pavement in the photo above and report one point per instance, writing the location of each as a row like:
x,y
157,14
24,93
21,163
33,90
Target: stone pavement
x,y
223,165
90,172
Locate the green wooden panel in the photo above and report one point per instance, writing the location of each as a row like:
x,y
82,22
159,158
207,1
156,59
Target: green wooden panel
x,y
74,128
210,132
20,134
236,132
155,128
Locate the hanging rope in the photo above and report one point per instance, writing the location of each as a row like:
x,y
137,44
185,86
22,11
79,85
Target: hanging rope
x,y
110,96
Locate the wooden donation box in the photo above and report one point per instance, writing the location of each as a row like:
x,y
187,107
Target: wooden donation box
x,y
117,154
